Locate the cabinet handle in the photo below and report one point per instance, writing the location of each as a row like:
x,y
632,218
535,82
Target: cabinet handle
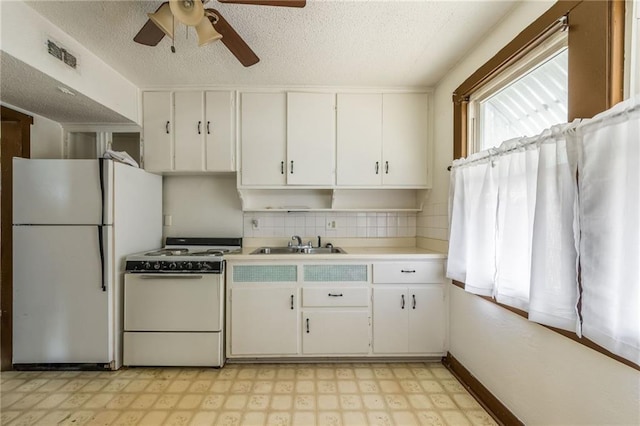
x,y
408,271
307,325
291,166
377,166
386,167
166,127
414,300
208,130
292,302
282,167
402,301
335,295
199,125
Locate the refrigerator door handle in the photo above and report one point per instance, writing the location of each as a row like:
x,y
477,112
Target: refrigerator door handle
x,y
101,178
101,250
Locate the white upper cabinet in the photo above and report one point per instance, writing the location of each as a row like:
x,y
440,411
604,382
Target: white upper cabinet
x,y
382,140
263,133
404,139
311,124
219,130
157,131
188,136
188,131
359,129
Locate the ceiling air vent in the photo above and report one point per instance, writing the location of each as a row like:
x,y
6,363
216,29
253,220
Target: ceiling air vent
x,y
61,54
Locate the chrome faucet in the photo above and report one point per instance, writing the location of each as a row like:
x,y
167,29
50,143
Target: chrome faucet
x,y
297,238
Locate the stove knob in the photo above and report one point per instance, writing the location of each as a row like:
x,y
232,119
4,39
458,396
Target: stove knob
x,y
146,265
172,265
156,265
189,265
198,265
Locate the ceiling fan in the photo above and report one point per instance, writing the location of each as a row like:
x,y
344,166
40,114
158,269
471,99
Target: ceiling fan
x,y
209,24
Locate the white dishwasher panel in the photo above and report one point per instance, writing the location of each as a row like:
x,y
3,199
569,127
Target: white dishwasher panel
x,y
173,302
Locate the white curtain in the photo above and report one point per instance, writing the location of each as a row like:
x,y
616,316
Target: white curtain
x,y
517,170
609,209
473,224
554,286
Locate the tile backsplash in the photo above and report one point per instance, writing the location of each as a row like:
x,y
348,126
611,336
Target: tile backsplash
x,y
433,222
329,224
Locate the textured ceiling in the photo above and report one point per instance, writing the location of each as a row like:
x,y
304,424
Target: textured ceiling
x,y
328,43
28,88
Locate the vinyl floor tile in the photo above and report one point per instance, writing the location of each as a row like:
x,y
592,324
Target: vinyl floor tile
x,y
351,394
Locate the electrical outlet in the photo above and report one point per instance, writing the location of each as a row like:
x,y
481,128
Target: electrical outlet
x,y
167,220
331,224
255,223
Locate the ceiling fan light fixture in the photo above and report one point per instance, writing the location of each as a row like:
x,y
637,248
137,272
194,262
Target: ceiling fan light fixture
x,y
163,18
189,12
206,32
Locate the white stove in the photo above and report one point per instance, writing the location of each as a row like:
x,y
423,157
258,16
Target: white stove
x,y
185,255
174,303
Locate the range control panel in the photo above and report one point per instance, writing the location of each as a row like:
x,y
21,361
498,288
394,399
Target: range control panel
x,y
175,266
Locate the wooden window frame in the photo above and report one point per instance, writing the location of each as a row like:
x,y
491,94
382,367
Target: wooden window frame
x,y
596,82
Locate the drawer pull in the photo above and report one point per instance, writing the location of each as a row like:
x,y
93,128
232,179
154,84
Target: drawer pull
x,y
402,301
335,295
414,300
307,325
292,302
199,125
408,271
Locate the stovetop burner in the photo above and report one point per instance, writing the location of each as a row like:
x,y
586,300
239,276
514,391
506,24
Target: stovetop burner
x,y
178,251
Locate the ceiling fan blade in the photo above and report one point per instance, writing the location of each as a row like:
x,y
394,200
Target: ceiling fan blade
x,y
283,3
150,34
233,41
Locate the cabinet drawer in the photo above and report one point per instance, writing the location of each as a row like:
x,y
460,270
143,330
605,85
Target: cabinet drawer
x,y
408,272
335,296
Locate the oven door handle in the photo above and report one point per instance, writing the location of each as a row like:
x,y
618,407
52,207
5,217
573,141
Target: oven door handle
x,y
172,276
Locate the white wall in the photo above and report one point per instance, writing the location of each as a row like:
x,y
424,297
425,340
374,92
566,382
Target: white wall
x,y
23,35
46,136
542,377
202,206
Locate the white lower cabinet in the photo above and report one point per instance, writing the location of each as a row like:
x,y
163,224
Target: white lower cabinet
x,y
264,320
335,331
408,320
305,309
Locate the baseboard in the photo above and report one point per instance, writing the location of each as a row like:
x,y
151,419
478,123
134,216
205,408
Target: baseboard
x,y
489,402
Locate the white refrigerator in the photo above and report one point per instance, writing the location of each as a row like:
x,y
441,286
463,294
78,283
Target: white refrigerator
x,y
74,221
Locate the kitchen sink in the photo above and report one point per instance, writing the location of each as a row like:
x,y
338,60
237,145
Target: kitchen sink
x,y
296,250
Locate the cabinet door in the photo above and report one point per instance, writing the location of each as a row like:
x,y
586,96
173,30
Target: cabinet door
x,y
426,319
335,332
311,138
359,133
263,138
390,320
404,139
219,131
189,136
264,321
157,128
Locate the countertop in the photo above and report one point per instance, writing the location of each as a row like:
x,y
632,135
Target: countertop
x,y
352,253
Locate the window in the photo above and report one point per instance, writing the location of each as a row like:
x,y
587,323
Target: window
x,y
526,98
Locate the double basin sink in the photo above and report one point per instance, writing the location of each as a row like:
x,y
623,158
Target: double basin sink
x,y
299,250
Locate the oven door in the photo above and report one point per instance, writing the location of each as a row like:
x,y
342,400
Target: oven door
x,y
173,302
